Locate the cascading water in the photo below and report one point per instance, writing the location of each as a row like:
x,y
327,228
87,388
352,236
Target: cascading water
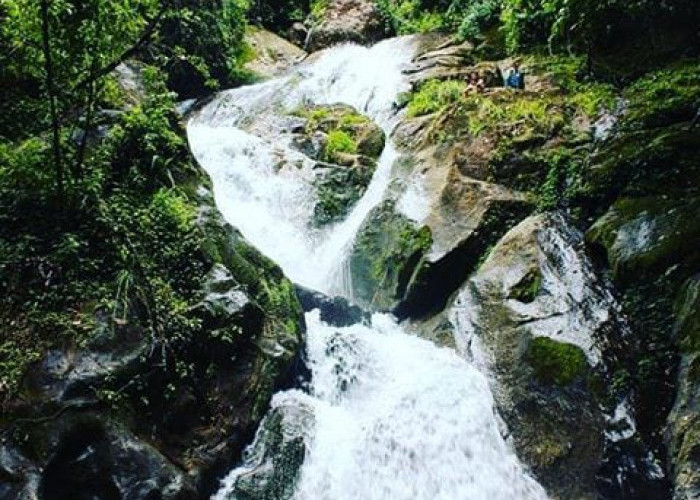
x,y
390,416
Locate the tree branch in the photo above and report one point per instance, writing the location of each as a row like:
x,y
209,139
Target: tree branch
x,y
131,51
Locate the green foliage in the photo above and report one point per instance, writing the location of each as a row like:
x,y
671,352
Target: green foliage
x,y
556,362
410,16
318,10
278,14
200,45
434,96
585,24
143,145
338,142
665,96
476,17
562,183
126,244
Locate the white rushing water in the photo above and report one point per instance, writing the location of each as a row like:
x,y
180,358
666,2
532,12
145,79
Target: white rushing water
x,y
242,138
394,416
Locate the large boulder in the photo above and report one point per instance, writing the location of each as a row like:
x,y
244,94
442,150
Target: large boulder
x,y
273,55
133,414
387,251
548,330
683,429
414,251
358,21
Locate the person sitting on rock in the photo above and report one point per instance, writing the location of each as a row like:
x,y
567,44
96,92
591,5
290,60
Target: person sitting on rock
x,y
480,83
472,83
515,78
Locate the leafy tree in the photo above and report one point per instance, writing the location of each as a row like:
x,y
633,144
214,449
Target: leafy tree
x,y
199,44
65,48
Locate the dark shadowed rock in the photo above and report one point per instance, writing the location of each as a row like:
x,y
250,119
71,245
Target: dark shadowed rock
x,y
144,417
335,311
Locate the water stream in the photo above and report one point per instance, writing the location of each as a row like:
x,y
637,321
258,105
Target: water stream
x,y
393,417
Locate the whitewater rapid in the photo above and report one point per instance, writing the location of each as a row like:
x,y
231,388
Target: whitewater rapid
x,y
394,416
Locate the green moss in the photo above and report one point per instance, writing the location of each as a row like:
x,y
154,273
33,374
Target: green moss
x,y
351,120
318,10
410,16
556,362
645,162
687,313
592,99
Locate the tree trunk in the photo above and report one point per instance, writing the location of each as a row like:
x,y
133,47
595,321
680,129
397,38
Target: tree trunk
x,y
51,92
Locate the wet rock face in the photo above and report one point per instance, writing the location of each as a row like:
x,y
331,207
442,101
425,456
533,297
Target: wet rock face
x,y
335,311
356,21
642,237
132,415
645,240
683,429
272,463
386,253
539,319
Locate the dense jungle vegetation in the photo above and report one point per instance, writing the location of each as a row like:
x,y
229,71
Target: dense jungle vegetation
x,y
93,178
101,202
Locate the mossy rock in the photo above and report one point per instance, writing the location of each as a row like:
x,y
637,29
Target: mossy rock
x,y
338,188
388,250
348,145
643,163
643,237
664,97
556,362
276,456
683,430
348,130
527,289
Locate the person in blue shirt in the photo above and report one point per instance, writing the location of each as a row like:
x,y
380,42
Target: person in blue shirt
x,y
515,78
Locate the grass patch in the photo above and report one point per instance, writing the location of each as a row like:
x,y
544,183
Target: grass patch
x,y
339,142
434,96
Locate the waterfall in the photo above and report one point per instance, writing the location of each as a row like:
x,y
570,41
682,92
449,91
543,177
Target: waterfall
x,y
394,417
242,137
